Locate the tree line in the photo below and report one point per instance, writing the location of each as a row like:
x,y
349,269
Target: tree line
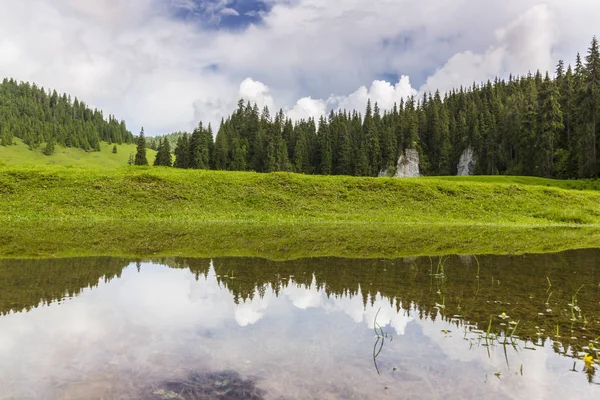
x,y
37,116
538,125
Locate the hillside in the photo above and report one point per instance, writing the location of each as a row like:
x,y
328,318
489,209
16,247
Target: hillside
x,y
38,117
162,193
20,154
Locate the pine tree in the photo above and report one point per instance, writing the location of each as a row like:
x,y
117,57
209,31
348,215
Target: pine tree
x,y
200,148
588,88
140,155
222,141
301,156
114,150
182,152
49,149
157,159
529,127
6,137
344,164
551,124
163,155
325,158
239,155
167,157
259,152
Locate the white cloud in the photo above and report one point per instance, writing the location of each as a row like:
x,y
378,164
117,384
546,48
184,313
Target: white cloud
x,y
524,44
380,92
135,60
306,108
256,92
381,310
229,11
252,310
383,93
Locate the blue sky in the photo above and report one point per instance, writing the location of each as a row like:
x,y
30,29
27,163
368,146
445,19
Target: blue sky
x,y
232,15
167,64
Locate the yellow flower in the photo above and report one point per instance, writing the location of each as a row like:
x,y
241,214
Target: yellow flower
x,y
588,359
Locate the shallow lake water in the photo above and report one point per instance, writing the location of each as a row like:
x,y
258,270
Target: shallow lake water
x,y
496,327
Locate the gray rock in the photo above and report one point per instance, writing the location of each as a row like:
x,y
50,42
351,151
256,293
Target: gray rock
x,y
466,164
408,165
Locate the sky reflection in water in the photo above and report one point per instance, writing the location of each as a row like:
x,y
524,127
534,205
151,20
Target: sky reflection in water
x,y
128,335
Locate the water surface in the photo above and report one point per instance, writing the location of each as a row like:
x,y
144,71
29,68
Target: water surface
x,y
497,327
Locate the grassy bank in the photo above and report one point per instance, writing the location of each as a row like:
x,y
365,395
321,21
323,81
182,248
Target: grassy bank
x,y
279,241
66,211
151,194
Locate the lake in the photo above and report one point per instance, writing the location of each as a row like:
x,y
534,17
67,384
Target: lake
x,y
496,327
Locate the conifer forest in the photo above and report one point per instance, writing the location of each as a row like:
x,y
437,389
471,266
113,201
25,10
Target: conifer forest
x,y
543,124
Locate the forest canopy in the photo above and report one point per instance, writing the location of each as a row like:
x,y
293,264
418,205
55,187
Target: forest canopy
x,y
38,116
538,125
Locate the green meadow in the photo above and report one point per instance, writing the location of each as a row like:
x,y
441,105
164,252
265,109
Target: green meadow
x,y
55,210
20,154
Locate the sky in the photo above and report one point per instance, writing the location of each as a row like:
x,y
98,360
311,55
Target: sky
x,y
162,321
168,64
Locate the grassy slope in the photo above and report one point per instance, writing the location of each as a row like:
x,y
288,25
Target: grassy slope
x,y
168,194
581,184
19,154
57,210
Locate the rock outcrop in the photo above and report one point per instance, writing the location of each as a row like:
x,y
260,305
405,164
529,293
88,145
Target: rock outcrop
x,y
466,164
408,165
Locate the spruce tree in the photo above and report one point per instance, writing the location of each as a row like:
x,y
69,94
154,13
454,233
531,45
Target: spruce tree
x,y
6,138
301,156
200,148
49,149
114,150
551,124
167,157
239,154
182,152
222,153
588,116
259,152
140,155
324,148
345,160
163,155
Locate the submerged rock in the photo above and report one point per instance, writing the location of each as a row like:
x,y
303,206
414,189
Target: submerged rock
x,y
208,386
466,164
408,164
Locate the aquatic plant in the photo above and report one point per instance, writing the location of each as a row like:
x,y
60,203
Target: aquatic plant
x,y
381,337
221,385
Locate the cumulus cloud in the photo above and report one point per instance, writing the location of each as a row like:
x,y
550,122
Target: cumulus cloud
x,y
256,92
524,44
381,92
306,108
304,297
139,61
